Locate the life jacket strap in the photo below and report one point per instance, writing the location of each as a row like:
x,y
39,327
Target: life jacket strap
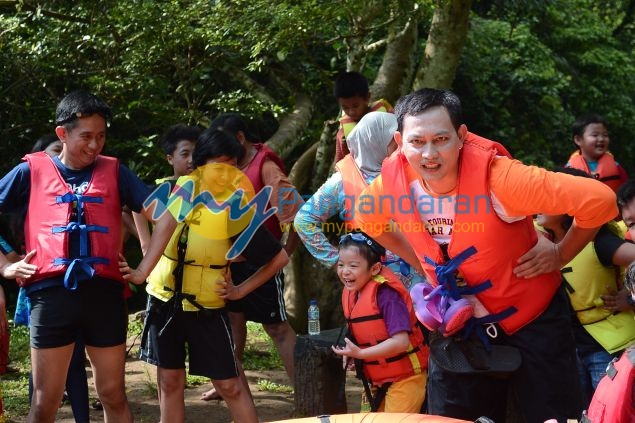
x,y
79,269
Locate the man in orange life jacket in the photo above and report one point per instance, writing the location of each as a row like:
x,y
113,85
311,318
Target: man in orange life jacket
x,y
443,172
71,270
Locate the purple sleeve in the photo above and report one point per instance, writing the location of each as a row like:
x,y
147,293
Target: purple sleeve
x,y
394,310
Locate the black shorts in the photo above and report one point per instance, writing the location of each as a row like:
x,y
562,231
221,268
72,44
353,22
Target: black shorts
x,y
95,312
207,333
263,305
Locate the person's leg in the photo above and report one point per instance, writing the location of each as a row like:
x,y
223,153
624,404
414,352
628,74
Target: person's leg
x,y
547,386
239,334
597,363
104,325
283,337
108,371
238,322
77,384
171,385
405,396
49,367
55,312
239,402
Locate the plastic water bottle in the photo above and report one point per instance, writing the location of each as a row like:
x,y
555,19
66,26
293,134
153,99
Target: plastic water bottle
x,y
314,318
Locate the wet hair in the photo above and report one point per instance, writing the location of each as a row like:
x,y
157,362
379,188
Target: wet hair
x,y
43,142
232,123
626,194
213,143
350,84
368,248
176,133
80,104
580,124
426,98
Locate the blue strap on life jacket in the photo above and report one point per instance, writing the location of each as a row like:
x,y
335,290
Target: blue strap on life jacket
x,y
79,268
446,277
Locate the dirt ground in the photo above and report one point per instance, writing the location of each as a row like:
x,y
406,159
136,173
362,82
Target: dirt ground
x,y
141,389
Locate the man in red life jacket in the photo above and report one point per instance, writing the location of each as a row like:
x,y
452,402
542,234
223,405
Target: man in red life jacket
x,y
71,271
474,204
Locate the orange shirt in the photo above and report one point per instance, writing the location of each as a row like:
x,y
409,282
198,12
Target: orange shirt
x,y
518,190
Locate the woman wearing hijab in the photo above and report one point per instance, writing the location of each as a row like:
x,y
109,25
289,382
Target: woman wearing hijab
x,y
370,142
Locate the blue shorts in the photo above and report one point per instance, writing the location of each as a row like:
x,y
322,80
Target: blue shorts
x,y
207,333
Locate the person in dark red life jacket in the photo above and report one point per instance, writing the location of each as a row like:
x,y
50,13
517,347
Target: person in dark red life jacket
x,y
591,137
72,271
266,304
384,338
465,209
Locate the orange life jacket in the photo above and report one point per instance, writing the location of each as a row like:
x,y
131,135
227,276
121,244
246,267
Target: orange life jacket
x,y
498,244
254,173
47,219
368,328
607,170
353,184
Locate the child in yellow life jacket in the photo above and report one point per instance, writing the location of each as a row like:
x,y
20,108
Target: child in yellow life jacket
x,y
603,328
591,136
353,96
385,339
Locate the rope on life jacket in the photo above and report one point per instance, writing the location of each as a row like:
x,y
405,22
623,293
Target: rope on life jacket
x,y
79,268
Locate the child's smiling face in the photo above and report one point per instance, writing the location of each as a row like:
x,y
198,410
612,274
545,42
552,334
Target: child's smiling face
x,y
594,142
353,269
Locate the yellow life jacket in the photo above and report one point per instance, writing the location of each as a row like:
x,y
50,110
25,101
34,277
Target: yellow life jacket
x,y
348,124
587,279
207,235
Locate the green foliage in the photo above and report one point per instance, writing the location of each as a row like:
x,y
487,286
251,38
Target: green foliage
x,y
260,352
15,386
270,386
524,80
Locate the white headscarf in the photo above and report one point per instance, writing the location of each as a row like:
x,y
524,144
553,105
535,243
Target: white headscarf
x,y
369,139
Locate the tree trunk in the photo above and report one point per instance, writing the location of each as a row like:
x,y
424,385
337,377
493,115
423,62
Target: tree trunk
x,y
445,42
397,67
291,126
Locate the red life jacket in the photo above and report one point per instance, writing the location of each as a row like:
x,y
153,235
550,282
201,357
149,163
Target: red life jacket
x,y
50,205
614,398
254,173
498,244
353,184
368,328
607,170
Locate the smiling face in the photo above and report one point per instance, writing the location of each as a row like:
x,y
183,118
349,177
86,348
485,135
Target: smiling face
x,y
181,158
594,142
628,215
432,146
82,144
353,269
219,174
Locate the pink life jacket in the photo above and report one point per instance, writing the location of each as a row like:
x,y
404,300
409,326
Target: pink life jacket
x,y
614,398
